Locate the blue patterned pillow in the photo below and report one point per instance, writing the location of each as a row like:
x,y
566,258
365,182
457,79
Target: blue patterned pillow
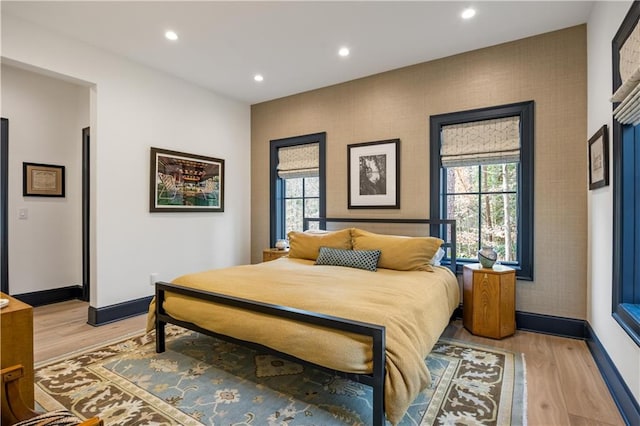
x,y
361,259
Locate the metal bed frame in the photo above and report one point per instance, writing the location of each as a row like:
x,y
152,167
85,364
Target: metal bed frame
x,y
443,228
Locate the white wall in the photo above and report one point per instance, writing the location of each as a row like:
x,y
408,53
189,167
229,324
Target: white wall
x,y
133,108
46,116
603,23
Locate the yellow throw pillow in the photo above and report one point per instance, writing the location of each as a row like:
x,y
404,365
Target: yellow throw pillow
x,y
398,252
306,245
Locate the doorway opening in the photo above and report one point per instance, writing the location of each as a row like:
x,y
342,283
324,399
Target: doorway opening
x,y
82,293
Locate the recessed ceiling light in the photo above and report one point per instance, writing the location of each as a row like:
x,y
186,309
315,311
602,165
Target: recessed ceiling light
x,y
171,35
468,13
344,52
258,77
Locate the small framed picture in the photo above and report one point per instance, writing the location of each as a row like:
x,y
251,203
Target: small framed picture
x,y
599,159
42,180
373,175
182,182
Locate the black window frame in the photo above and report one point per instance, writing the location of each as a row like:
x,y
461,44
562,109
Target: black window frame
x,y
277,187
625,271
524,110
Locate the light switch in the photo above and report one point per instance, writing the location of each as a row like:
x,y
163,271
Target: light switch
x,y
23,214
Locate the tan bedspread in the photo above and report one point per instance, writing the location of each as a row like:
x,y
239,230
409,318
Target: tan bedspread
x,y
414,307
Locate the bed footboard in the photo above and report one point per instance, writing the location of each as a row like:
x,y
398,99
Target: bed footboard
x,y
376,332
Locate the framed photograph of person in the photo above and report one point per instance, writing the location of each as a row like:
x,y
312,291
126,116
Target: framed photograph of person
x,y
373,175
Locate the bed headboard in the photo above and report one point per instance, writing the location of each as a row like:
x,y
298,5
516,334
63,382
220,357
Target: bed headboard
x,y
444,229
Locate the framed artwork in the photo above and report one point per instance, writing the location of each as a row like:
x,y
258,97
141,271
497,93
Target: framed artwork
x,y
183,182
599,159
373,175
42,180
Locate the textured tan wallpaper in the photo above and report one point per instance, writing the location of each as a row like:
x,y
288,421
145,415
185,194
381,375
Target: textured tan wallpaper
x,y
549,69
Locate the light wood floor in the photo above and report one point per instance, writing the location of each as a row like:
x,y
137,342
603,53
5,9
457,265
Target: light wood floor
x,y
564,385
62,328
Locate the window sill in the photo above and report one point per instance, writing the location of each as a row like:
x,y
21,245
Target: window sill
x,y
628,316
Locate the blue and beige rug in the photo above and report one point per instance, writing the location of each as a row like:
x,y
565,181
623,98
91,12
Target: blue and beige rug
x,y
200,380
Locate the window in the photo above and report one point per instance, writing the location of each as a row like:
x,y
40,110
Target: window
x,y
297,183
483,200
626,180
482,176
301,201
626,280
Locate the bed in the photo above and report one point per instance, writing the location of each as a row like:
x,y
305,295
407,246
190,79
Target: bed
x,y
302,307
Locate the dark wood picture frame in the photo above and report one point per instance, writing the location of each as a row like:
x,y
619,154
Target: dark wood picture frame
x,y
181,182
43,180
599,159
373,175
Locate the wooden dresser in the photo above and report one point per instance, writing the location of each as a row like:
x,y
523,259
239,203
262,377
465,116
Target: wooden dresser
x,y
489,300
16,347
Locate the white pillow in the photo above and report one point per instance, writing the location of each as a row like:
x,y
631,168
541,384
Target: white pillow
x,y
435,260
316,231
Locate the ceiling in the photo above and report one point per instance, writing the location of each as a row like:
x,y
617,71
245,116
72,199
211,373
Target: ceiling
x,y
293,44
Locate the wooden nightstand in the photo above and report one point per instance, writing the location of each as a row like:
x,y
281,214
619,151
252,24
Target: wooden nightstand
x,y
273,254
489,300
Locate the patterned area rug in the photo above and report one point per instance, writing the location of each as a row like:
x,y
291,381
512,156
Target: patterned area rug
x,y
200,380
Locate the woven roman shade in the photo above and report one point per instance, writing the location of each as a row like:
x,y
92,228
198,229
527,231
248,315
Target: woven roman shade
x,y
628,94
481,142
299,161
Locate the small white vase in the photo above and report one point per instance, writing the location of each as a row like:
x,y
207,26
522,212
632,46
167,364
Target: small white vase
x,y
282,244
